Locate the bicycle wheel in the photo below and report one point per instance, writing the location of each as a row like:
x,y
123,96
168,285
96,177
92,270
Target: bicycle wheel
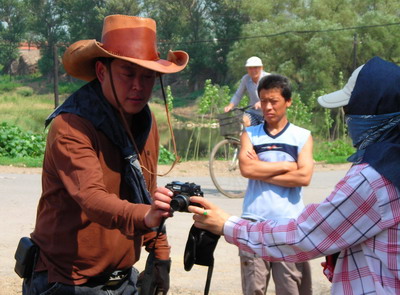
x,y
224,169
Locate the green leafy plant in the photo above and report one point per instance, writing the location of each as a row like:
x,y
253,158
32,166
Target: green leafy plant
x,y
299,113
213,99
328,122
17,143
170,98
165,156
333,151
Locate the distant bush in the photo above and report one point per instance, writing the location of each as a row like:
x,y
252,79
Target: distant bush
x,y
25,91
333,152
68,87
8,85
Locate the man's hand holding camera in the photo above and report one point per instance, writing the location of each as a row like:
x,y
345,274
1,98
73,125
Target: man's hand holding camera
x,y
160,208
206,215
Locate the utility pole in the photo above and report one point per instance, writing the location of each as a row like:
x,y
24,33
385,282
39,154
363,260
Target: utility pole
x,y
55,58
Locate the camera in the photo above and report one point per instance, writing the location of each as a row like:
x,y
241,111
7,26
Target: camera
x,y
182,192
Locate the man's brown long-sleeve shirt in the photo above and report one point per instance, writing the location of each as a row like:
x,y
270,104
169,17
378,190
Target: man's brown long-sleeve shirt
x,y
85,226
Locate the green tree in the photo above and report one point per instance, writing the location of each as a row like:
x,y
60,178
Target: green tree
x,y
203,28
128,7
12,31
312,42
48,24
83,19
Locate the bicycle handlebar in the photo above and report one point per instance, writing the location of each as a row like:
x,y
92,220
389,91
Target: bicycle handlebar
x,y
241,109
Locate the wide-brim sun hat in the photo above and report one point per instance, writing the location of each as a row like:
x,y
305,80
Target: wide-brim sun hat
x,y
254,61
340,97
124,37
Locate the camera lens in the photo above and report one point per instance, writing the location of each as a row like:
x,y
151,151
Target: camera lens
x,y
179,203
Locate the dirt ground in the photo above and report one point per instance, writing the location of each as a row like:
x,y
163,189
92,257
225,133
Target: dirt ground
x,y
189,168
10,285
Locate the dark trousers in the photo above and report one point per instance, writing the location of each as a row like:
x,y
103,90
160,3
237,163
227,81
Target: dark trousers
x,y
38,285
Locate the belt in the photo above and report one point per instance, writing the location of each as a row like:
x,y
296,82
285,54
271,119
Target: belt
x,y
112,279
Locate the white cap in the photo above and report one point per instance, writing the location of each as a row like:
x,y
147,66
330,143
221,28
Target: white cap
x,y
340,97
254,61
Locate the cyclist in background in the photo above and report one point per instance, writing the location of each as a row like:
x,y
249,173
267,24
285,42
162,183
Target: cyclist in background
x,y
249,82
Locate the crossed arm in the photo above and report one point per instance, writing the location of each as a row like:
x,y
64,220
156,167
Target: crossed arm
x,y
288,174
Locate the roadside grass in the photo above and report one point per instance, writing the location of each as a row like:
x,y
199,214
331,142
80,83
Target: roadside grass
x,y
27,112
30,162
30,111
24,107
319,156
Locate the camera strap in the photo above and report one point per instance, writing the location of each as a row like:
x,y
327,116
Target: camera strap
x,y
199,250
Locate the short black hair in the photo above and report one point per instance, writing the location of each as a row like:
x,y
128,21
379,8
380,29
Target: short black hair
x,y
276,81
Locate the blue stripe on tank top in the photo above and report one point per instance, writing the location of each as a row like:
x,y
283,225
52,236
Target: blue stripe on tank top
x,y
281,147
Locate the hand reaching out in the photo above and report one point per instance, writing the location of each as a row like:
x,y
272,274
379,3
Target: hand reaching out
x,y
210,217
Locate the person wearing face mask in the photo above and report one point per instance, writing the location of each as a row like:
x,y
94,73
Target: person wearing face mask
x,y
357,227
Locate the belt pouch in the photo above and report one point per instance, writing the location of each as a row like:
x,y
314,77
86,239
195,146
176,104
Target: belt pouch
x,y
25,257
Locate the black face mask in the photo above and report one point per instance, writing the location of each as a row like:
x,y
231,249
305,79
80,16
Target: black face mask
x,y
377,92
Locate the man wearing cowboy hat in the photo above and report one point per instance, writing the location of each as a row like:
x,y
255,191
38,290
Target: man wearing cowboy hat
x,y
360,220
99,169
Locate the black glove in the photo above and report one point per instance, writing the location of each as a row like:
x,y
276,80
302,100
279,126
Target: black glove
x,y
161,273
154,280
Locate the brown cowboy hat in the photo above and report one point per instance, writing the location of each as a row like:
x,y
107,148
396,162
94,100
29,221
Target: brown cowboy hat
x,y
124,37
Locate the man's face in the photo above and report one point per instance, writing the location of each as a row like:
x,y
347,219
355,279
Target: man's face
x,y
133,84
254,72
273,105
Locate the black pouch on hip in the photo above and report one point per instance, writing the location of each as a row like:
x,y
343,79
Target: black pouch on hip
x,y
25,257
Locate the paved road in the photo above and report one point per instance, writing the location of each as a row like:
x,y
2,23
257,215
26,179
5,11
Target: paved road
x,y
19,196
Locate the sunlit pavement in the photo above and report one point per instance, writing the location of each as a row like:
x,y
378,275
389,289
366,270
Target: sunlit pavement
x,y
20,193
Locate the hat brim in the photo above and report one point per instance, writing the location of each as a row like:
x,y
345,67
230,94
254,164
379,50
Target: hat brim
x,y
334,100
79,60
341,97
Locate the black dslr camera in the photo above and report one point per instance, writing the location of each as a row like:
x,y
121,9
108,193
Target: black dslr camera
x,y
182,193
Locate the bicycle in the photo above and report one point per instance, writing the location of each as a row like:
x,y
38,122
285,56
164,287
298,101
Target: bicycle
x,y
224,157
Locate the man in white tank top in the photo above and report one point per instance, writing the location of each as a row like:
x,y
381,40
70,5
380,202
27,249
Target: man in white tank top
x,y
276,157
